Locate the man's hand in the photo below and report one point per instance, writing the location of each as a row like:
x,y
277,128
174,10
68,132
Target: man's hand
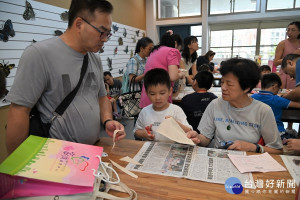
x,y
193,135
113,125
293,144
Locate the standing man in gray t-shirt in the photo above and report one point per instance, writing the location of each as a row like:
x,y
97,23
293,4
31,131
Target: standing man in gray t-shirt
x,y
49,70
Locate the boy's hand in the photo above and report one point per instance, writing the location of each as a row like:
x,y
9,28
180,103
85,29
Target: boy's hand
x,y
193,135
148,134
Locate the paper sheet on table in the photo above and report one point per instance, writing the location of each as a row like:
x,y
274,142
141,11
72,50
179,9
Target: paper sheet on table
x,y
130,160
171,129
256,163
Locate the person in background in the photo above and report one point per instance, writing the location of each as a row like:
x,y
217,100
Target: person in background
x,y
270,85
206,59
264,69
115,85
237,118
291,45
294,145
158,87
291,66
113,102
56,63
2,84
165,56
136,64
195,104
204,67
189,56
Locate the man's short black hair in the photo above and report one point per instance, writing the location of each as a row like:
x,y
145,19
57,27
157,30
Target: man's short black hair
x,y
204,79
107,73
156,77
245,70
87,8
268,80
288,57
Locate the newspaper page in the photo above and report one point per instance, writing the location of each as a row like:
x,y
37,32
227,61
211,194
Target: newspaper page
x,y
293,165
191,162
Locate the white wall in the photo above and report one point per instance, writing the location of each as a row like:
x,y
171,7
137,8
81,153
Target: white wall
x,y
47,20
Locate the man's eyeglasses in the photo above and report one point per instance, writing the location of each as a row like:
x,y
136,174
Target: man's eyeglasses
x,y
103,34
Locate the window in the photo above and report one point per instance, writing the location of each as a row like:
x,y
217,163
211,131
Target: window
x,y
231,6
178,8
234,43
197,31
286,4
268,43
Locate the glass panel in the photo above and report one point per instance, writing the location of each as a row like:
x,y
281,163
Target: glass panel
x,y
223,53
189,7
297,5
244,5
199,52
244,37
244,52
275,4
196,30
272,36
221,38
267,55
219,6
168,8
199,42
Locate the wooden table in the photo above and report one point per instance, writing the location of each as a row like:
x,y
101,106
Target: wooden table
x,y
151,186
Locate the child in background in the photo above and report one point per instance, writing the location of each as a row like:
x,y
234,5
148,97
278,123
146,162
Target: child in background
x,y
195,104
271,84
113,102
158,88
264,69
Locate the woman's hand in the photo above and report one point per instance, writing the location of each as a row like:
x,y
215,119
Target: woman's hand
x,y
242,146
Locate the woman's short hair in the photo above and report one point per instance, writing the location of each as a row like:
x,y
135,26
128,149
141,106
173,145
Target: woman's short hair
x,y
245,70
143,42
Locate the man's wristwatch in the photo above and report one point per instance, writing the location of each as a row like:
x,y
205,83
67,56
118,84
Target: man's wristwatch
x,y
257,148
104,123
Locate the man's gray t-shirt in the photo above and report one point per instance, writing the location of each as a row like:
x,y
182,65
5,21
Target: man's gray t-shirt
x,y
48,71
226,123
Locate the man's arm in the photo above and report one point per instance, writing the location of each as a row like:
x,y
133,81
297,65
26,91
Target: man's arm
x,y
106,114
293,95
17,126
198,138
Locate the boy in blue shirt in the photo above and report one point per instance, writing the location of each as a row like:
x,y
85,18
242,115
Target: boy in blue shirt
x,y
270,85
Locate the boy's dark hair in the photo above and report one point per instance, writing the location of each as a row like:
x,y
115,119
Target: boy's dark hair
x,y
143,42
264,68
107,73
2,84
268,80
245,70
86,9
204,67
288,57
157,76
204,79
186,51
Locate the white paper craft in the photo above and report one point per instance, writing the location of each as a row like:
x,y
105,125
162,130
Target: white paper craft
x,y
130,160
256,163
171,129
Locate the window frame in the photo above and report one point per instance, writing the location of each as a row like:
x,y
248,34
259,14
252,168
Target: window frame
x,y
257,10
170,18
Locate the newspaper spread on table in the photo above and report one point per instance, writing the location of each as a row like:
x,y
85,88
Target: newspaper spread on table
x,y
293,165
191,162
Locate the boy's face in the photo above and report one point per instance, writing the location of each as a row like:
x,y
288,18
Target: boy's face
x,y
159,95
265,72
109,80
